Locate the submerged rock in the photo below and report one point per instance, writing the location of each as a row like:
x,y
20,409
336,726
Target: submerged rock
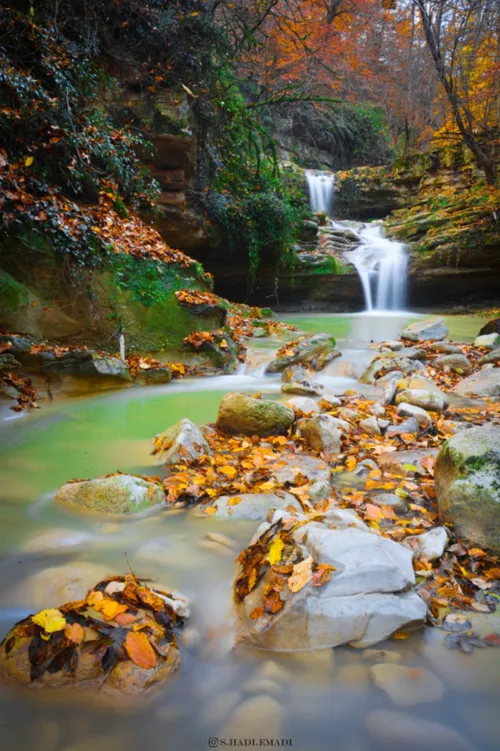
x,y
119,494
182,441
320,433
420,331
467,479
397,730
240,413
406,686
307,349
94,643
365,600
483,383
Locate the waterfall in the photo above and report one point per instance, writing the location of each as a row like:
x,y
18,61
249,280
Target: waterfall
x,y
320,186
382,265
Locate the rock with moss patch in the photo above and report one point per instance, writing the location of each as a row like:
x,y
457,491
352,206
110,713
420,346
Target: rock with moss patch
x,y
119,494
468,484
243,414
488,341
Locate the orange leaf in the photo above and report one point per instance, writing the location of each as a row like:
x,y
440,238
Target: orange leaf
x,y
140,650
74,632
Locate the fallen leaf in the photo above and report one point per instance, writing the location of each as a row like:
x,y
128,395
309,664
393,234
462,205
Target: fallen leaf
x,y
140,650
50,620
275,550
74,632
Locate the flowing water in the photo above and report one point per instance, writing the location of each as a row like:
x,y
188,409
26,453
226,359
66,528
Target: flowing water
x,y
324,697
382,264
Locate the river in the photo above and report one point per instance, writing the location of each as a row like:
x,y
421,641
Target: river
x,y
319,700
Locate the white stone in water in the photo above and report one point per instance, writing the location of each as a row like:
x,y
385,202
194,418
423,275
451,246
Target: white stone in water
x,y
421,398
407,686
54,541
488,341
273,671
429,545
262,686
253,506
219,708
304,404
183,439
398,731
433,328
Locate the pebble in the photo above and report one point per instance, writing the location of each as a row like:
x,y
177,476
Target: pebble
x,y
218,710
382,655
273,671
215,547
191,637
262,686
353,675
222,539
407,686
54,541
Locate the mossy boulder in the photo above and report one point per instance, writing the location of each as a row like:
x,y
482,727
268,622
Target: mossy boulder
x,y
468,485
119,494
240,413
311,350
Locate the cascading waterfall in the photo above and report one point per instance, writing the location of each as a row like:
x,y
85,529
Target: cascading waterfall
x,y
320,186
382,264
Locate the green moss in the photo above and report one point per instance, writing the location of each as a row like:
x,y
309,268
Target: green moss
x,y
13,295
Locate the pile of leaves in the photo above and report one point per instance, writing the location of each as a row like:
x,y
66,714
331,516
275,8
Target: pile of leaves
x,y
120,619
193,297
136,363
26,392
197,339
276,551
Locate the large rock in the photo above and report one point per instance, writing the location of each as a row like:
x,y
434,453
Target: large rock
x,y
483,383
446,348
86,644
429,545
398,363
420,331
119,494
306,349
320,433
240,413
492,327
421,398
180,442
424,384
84,363
457,363
253,506
366,599
467,479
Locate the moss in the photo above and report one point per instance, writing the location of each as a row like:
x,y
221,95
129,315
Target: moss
x,y
13,295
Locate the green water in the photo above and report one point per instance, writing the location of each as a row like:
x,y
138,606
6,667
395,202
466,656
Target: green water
x,y
326,695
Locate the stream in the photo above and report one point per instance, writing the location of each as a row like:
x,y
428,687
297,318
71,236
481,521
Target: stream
x,y
315,701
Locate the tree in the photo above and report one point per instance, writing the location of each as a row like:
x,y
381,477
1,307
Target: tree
x,y
460,35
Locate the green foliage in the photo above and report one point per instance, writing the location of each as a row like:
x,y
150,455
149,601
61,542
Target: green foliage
x,y
148,282
351,134
331,265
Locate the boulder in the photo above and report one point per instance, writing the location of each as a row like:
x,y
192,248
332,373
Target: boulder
x,y
402,364
312,388
389,384
320,433
306,349
183,441
84,363
492,327
303,406
493,356
406,686
457,363
364,601
240,413
119,494
488,341
91,644
421,398
431,328
445,348
253,506
424,384
394,731
467,480
151,376
483,383
429,545
422,417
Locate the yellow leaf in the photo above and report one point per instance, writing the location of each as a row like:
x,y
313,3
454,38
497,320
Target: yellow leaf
x,y
275,550
210,511
269,485
29,161
50,620
229,471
